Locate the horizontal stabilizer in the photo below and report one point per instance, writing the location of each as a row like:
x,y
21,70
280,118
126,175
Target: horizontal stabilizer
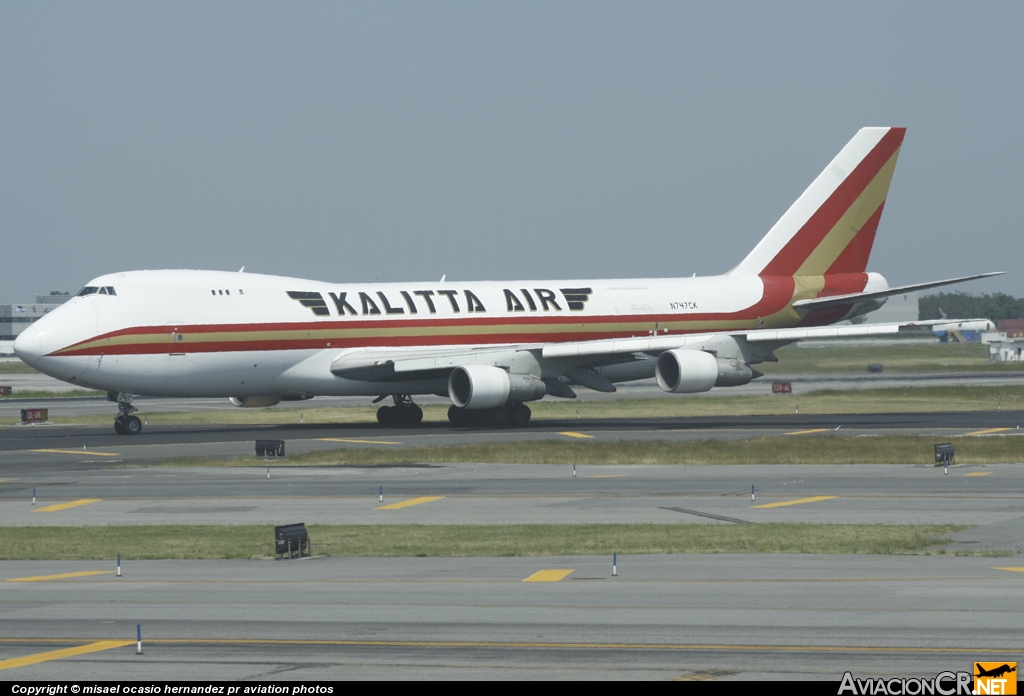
x,y
858,297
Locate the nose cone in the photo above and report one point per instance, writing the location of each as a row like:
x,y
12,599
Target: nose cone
x,y
28,346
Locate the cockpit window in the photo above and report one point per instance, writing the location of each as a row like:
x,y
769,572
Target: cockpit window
x,y
94,290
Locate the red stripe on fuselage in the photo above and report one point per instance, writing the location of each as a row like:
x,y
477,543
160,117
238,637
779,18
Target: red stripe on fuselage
x,y
776,295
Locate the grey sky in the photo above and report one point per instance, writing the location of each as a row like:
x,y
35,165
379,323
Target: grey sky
x,y
351,142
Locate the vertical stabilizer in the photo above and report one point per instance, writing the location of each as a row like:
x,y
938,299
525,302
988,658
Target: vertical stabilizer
x,y
831,227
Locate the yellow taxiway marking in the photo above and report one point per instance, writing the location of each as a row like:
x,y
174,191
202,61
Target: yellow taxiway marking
x,y
65,652
978,473
91,453
799,501
407,503
1015,569
808,432
62,576
607,476
65,506
548,575
569,433
358,442
990,430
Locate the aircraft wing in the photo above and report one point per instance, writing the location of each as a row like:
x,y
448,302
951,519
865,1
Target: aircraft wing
x,y
658,344
387,364
375,364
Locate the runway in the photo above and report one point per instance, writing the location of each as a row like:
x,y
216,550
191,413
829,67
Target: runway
x,y
663,617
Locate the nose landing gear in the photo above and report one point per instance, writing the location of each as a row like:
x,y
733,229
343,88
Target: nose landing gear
x,y
125,423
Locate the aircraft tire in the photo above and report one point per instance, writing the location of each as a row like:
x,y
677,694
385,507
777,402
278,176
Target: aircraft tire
x,y
118,426
132,425
519,415
498,417
413,415
458,416
386,416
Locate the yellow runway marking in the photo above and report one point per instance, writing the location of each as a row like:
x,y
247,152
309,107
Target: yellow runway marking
x,y
990,430
66,652
547,575
800,501
607,476
569,433
91,453
978,473
1015,569
65,506
807,432
62,576
358,442
407,503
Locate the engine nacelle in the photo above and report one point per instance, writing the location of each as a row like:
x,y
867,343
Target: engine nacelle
x,y
484,386
682,371
733,373
255,401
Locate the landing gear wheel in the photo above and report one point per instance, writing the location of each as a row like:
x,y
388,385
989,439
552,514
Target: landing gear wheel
x,y
397,416
118,426
498,417
458,416
132,425
519,415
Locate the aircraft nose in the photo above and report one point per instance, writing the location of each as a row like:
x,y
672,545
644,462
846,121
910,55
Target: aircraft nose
x,y
28,346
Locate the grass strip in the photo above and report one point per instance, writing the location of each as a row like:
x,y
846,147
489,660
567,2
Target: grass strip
x,y
910,358
16,367
783,449
256,541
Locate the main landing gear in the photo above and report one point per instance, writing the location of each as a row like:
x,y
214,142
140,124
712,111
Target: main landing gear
x,y
512,415
403,413
125,423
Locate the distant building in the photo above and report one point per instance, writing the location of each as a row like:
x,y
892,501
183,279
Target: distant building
x,y
1011,328
1006,351
15,318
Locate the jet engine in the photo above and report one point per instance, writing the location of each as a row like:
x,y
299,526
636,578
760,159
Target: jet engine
x,y
484,386
683,371
255,401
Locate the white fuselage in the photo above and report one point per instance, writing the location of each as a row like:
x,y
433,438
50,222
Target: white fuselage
x,y
210,333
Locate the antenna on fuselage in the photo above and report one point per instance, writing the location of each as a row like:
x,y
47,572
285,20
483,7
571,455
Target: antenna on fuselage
x,y
242,269
443,276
